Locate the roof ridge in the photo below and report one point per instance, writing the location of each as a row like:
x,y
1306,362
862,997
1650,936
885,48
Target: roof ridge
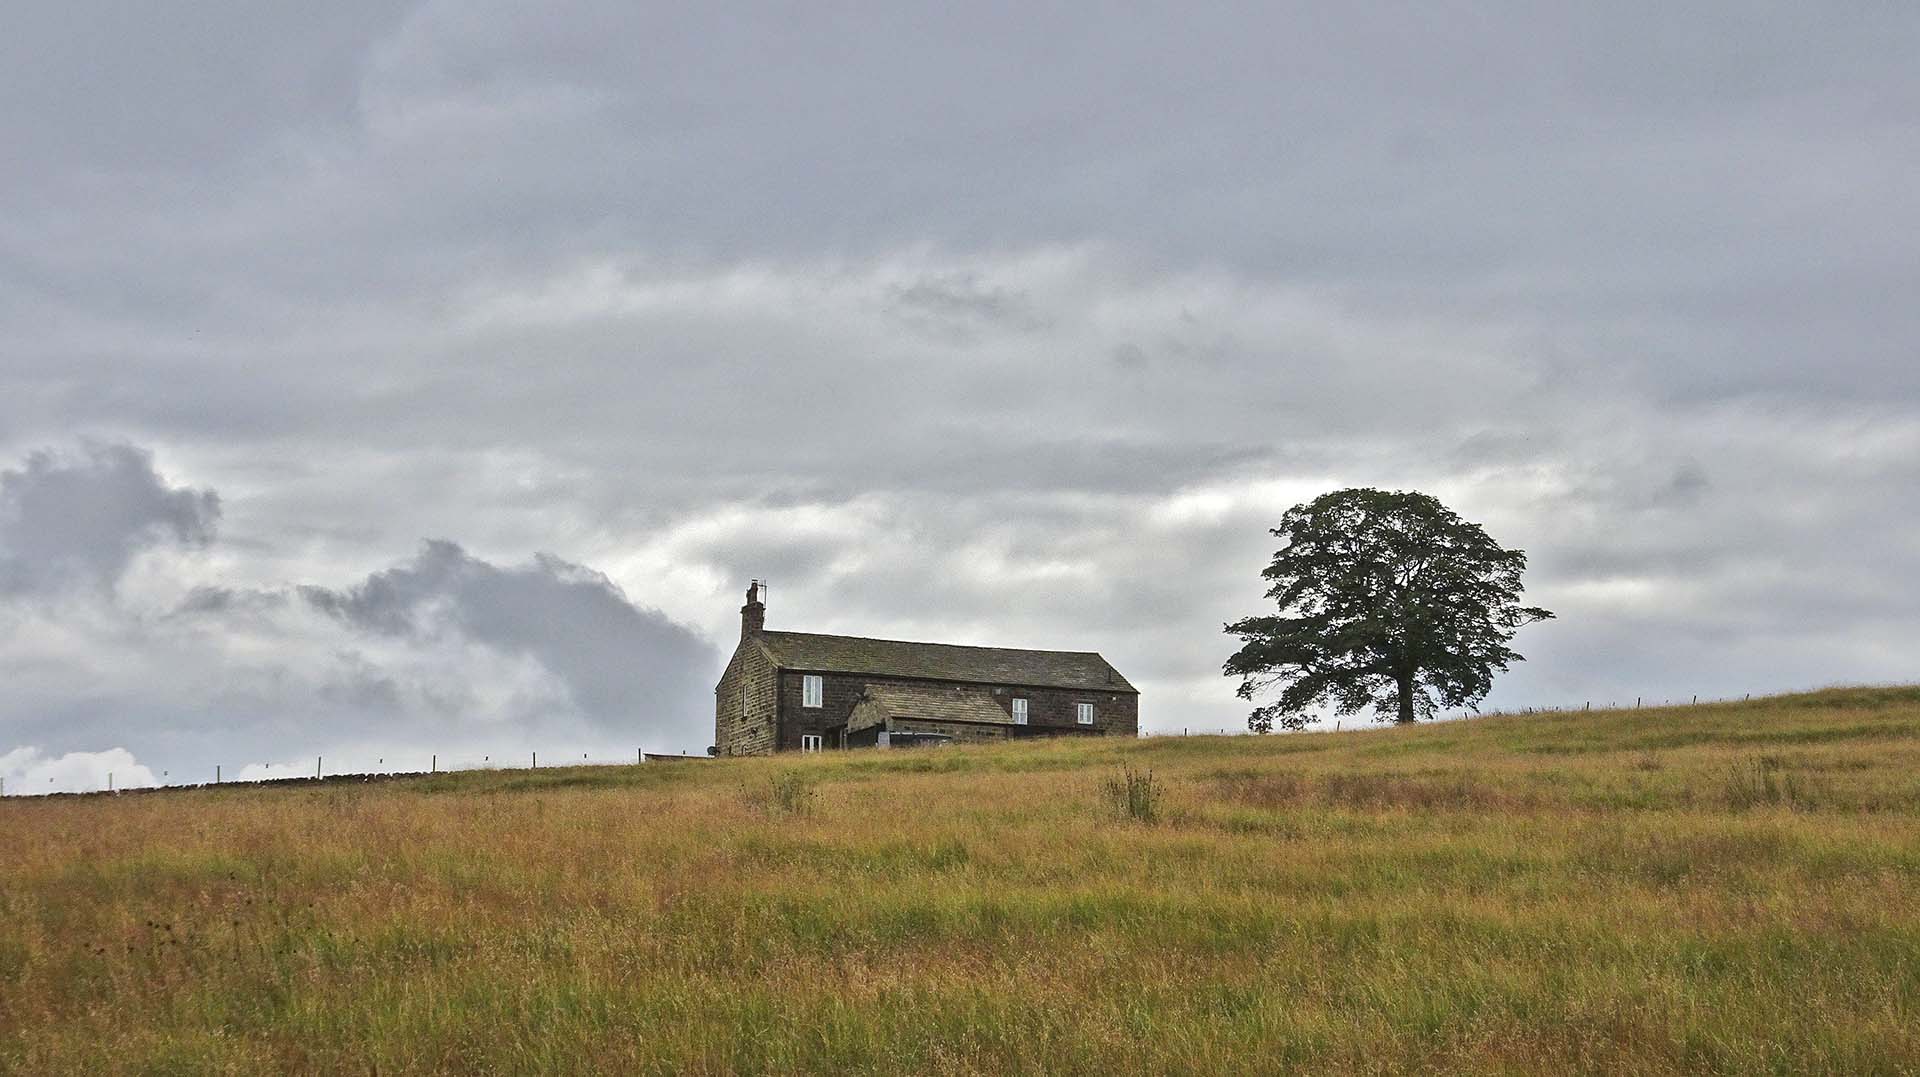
x,y
963,662
923,643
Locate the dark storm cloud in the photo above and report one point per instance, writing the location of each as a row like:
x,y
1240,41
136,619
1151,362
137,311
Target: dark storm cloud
x,y
622,663
964,321
79,520
446,650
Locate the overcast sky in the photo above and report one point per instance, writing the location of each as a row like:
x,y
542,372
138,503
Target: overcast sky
x,y
385,380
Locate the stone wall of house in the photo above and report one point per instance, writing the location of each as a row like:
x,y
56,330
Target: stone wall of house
x,y
749,730
1114,713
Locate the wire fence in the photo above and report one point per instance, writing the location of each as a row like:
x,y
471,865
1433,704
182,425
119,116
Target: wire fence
x,y
320,770
1337,724
386,768
1588,706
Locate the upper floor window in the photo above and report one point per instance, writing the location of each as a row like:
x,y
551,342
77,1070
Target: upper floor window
x,y
1083,713
1019,711
813,690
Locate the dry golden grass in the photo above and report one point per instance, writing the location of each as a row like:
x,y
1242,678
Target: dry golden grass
x,y
1730,889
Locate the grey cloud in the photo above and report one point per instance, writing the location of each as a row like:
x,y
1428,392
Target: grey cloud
x,y
212,599
959,306
624,664
1688,484
444,653
1044,314
359,684
1130,356
107,87
80,520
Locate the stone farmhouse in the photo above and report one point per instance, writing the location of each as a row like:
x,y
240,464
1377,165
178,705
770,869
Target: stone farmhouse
x,y
803,691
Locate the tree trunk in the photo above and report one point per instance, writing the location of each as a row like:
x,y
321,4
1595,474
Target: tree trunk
x,y
1406,700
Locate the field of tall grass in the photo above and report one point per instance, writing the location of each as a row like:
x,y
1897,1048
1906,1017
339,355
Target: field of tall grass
x,y
1723,888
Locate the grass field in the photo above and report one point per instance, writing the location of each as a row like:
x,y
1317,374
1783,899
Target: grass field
x,y
1729,888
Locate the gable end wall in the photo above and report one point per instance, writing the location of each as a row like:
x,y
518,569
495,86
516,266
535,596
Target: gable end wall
x,y
751,674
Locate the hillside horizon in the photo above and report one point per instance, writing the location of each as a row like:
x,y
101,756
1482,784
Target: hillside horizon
x,y
1722,888
1353,724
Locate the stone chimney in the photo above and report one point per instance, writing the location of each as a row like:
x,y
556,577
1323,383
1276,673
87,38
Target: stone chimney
x,y
753,615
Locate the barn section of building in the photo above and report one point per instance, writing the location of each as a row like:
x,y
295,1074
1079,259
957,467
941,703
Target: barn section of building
x,y
805,691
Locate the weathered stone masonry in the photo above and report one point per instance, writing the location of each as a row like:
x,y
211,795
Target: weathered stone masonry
x,y
759,702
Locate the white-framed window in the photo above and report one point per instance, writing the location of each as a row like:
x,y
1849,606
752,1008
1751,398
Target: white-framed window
x,y
813,690
809,742
1083,713
1019,711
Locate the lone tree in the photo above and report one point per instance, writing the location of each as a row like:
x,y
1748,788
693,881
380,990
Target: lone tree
x,y
1387,600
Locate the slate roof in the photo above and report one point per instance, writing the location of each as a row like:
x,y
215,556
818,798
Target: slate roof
x,y
815,652
883,701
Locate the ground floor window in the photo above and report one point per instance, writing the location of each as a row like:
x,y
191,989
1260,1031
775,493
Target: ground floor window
x,y
1019,711
809,742
1083,713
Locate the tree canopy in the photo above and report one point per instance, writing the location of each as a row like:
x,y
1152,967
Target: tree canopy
x,y
1387,601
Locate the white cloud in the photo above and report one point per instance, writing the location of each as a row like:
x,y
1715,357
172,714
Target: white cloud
x,y
276,772
29,771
